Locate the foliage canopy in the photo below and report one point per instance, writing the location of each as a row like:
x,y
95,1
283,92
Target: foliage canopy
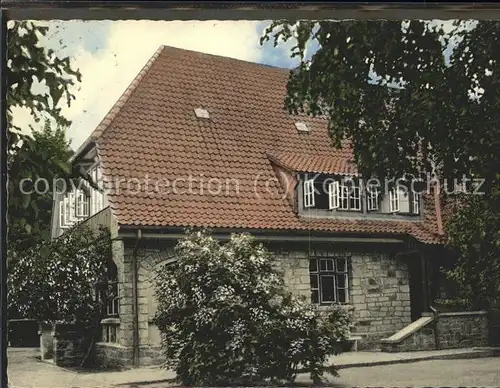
x,y
226,317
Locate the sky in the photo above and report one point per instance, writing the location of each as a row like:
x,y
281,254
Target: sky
x,y
109,54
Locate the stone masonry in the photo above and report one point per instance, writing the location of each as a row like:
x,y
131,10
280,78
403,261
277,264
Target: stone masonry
x,y
446,331
379,292
69,345
462,329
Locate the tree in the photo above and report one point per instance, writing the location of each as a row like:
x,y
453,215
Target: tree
x,y
62,285
226,317
30,64
33,169
389,88
411,98
475,234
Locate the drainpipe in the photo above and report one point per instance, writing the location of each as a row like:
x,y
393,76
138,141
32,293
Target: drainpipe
x,y
436,333
135,301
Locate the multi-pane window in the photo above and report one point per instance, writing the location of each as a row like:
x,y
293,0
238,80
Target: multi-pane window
x,y
111,333
416,203
333,195
394,200
402,200
329,279
112,297
372,198
347,195
84,202
309,193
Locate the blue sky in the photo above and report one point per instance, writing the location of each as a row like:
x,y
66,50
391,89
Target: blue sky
x,y
109,55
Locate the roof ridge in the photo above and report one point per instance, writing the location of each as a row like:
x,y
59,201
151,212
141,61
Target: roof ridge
x,y
118,105
284,69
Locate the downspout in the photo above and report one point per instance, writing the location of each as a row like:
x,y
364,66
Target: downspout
x,y
135,300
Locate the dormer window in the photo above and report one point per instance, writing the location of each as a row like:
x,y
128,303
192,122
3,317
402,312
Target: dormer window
x,y
201,113
328,193
324,194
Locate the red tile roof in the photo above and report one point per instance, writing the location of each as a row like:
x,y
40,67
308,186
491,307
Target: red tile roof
x,y
324,164
153,138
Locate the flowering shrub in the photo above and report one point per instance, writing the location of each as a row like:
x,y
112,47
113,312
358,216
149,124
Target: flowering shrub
x,y
227,318
57,281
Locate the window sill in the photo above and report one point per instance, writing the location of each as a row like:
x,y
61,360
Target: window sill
x,y
326,307
111,344
110,321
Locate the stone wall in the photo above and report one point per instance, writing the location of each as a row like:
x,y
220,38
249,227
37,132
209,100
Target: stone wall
x,y
294,265
379,290
108,355
462,329
380,294
69,346
379,287
446,331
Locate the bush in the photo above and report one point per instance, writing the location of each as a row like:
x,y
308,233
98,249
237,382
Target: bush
x,y
227,318
56,281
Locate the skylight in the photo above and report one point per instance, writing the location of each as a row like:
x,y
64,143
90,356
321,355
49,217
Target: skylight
x,y
201,113
301,127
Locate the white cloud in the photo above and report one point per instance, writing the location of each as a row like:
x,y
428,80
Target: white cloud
x,y
107,72
130,45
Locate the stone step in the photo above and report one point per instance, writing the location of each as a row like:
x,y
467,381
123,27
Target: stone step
x,y
407,330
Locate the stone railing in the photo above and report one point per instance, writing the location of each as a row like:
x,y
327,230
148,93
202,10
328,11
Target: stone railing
x,y
462,329
441,331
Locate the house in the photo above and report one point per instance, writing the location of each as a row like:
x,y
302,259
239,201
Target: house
x,y
204,141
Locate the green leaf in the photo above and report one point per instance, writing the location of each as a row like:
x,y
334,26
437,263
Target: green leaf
x,y
44,251
26,199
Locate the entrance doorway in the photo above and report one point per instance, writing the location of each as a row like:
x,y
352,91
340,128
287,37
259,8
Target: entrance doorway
x,y
419,290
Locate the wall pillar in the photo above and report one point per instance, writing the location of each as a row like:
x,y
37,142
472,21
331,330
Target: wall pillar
x,y
46,341
69,344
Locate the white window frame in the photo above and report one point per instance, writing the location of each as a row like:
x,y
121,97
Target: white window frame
x,y
82,204
416,203
333,195
62,213
94,206
394,200
372,198
99,185
308,188
343,197
347,193
67,221
356,196
72,207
